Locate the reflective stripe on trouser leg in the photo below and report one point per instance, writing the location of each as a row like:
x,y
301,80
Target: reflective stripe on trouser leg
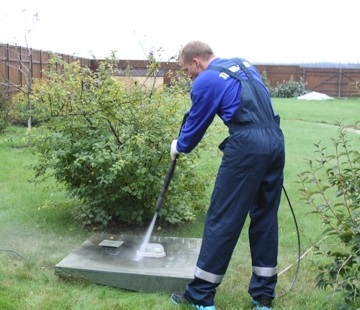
x,y
202,289
262,285
264,271
263,281
208,276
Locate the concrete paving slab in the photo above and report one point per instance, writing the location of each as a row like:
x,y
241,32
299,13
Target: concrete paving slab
x,y
112,260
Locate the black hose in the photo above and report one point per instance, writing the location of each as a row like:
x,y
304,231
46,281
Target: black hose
x,y
298,242
12,251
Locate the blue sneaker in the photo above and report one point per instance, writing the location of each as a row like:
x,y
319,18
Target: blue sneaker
x,y
182,299
262,303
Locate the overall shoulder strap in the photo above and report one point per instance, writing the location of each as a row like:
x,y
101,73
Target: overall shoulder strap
x,y
254,88
243,64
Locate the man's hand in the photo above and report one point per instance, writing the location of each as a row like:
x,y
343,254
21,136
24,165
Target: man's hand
x,y
173,150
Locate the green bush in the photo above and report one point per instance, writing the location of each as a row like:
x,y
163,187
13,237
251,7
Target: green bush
x,y
332,187
22,106
4,108
180,82
355,85
108,141
289,89
265,80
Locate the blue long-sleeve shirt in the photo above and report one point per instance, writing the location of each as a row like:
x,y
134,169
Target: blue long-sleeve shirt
x,y
213,93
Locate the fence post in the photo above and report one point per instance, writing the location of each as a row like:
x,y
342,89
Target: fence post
x,y
339,83
8,69
20,64
31,64
41,64
304,74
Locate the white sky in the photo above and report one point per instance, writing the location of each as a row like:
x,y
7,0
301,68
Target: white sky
x,y
263,31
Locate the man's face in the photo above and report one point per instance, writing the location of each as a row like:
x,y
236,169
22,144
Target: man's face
x,y
192,69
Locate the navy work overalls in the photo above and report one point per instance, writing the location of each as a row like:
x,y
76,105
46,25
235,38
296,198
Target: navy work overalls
x,y
249,181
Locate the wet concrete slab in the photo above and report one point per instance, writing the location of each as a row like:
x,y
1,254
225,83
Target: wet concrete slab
x,y
113,260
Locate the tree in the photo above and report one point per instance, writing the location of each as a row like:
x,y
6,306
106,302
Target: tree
x,y
23,63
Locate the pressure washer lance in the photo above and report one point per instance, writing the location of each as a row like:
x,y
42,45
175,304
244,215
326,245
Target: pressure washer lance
x,y
160,201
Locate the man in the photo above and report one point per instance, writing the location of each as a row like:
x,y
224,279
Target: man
x,y
250,177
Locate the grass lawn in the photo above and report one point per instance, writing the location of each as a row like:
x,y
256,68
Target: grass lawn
x,y
37,229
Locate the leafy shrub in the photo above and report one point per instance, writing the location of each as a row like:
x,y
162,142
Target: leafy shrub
x,y
289,89
108,142
4,109
180,82
22,106
355,85
265,79
332,188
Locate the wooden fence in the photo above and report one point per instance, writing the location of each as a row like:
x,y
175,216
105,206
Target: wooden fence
x,y
335,82
19,63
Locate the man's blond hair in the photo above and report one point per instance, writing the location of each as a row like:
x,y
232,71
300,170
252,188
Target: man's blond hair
x,y
195,49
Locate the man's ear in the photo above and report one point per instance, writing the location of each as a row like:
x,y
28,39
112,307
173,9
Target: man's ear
x,y
197,62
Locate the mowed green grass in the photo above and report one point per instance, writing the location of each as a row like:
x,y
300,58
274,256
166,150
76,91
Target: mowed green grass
x,y
37,229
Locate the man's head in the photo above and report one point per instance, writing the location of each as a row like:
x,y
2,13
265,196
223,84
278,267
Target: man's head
x,y
194,57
